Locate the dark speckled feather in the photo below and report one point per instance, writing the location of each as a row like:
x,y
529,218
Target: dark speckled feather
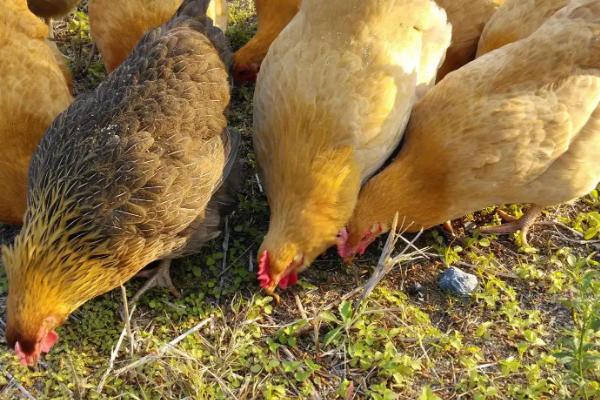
x,y
136,156
142,168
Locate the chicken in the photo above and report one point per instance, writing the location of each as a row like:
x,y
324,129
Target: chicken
x,y
117,25
468,18
48,9
518,125
29,71
136,171
273,16
515,20
331,102
51,8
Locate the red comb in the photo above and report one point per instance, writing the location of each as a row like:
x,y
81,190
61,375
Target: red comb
x,y
264,279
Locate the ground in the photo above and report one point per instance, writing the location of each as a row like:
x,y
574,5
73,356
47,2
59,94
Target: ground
x,y
530,331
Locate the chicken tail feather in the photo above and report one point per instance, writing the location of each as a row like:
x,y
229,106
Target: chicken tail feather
x,y
193,14
234,140
193,8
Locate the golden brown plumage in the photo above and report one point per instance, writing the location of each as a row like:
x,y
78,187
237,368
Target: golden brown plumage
x,y
331,102
468,17
515,20
135,171
518,125
273,16
117,25
33,91
51,8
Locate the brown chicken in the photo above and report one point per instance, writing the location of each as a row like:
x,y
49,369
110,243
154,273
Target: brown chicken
x,y
468,17
117,25
516,20
51,8
328,113
273,16
138,170
518,125
33,92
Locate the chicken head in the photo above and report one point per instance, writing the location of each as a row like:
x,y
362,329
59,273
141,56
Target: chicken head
x,y
28,347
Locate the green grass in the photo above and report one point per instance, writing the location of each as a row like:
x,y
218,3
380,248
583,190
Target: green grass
x,y
531,331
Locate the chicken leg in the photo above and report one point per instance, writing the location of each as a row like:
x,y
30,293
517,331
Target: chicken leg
x,y
157,277
522,224
48,22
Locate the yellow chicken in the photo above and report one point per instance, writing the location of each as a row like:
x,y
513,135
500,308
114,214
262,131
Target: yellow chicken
x,y
516,20
51,8
332,100
34,90
518,125
273,16
468,17
117,25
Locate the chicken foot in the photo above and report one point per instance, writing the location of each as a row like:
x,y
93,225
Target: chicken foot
x,y
506,217
521,224
447,226
157,277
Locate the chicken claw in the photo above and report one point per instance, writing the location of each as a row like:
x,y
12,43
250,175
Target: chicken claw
x,y
447,226
157,277
522,224
506,217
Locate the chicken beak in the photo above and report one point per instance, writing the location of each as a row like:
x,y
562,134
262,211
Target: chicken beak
x,y
270,290
348,260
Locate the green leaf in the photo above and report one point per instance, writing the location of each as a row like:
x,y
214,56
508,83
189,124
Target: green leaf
x,y
302,375
485,242
332,335
427,394
482,329
273,346
346,311
591,232
255,368
197,271
346,389
509,365
328,316
290,366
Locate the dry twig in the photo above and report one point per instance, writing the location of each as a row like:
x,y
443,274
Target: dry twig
x,y
156,355
225,250
114,354
127,320
301,308
21,389
386,262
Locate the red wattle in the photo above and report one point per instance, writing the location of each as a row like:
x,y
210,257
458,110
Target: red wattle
x,y
264,279
342,247
289,280
49,341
